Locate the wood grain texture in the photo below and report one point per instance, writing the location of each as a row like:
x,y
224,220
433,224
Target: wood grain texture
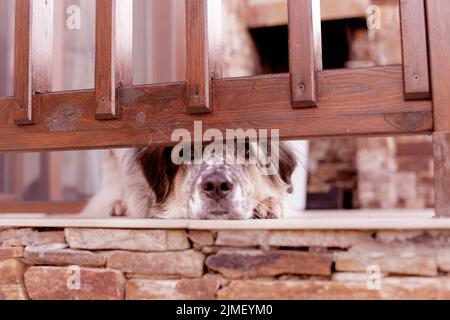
x,y
438,17
203,36
33,55
354,102
41,207
441,149
415,49
42,45
22,64
305,51
105,82
113,54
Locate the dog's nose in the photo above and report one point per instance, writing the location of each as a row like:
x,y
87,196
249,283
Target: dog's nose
x,y
216,186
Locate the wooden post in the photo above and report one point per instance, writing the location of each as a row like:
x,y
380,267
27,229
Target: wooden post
x,y
305,51
203,33
33,55
415,50
113,54
438,17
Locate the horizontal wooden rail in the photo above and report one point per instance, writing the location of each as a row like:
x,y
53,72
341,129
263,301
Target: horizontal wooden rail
x,y
66,120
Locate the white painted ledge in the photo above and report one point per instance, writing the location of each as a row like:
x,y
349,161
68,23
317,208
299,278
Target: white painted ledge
x,y
316,220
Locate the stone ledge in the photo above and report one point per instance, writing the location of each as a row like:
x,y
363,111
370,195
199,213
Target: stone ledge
x,y
317,220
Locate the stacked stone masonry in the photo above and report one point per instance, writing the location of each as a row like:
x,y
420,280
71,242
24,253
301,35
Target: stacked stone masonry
x,y
179,264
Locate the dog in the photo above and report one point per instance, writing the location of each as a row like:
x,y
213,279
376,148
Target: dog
x,y
146,183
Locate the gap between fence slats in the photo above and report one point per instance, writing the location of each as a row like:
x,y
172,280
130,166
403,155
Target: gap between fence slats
x,y
124,43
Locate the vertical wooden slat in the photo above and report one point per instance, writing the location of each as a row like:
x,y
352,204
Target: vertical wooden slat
x,y
113,54
3,184
441,156
55,183
42,192
22,63
305,51
415,50
438,17
17,174
203,33
33,55
50,182
105,82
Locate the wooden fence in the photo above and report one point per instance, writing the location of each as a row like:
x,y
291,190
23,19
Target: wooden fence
x,y
306,103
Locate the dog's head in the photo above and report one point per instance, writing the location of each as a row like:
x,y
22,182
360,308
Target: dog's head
x,y
220,186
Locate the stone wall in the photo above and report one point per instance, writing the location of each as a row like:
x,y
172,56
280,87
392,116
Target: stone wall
x,y
395,172
332,164
178,264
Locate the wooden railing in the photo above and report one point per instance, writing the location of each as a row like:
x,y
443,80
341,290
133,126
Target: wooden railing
x,y
306,103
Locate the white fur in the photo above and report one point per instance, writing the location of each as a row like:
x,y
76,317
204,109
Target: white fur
x,y
125,191
123,184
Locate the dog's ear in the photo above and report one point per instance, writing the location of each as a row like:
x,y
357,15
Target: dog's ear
x,y
158,169
288,164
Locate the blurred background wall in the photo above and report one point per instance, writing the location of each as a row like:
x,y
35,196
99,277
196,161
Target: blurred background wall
x,y
340,173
